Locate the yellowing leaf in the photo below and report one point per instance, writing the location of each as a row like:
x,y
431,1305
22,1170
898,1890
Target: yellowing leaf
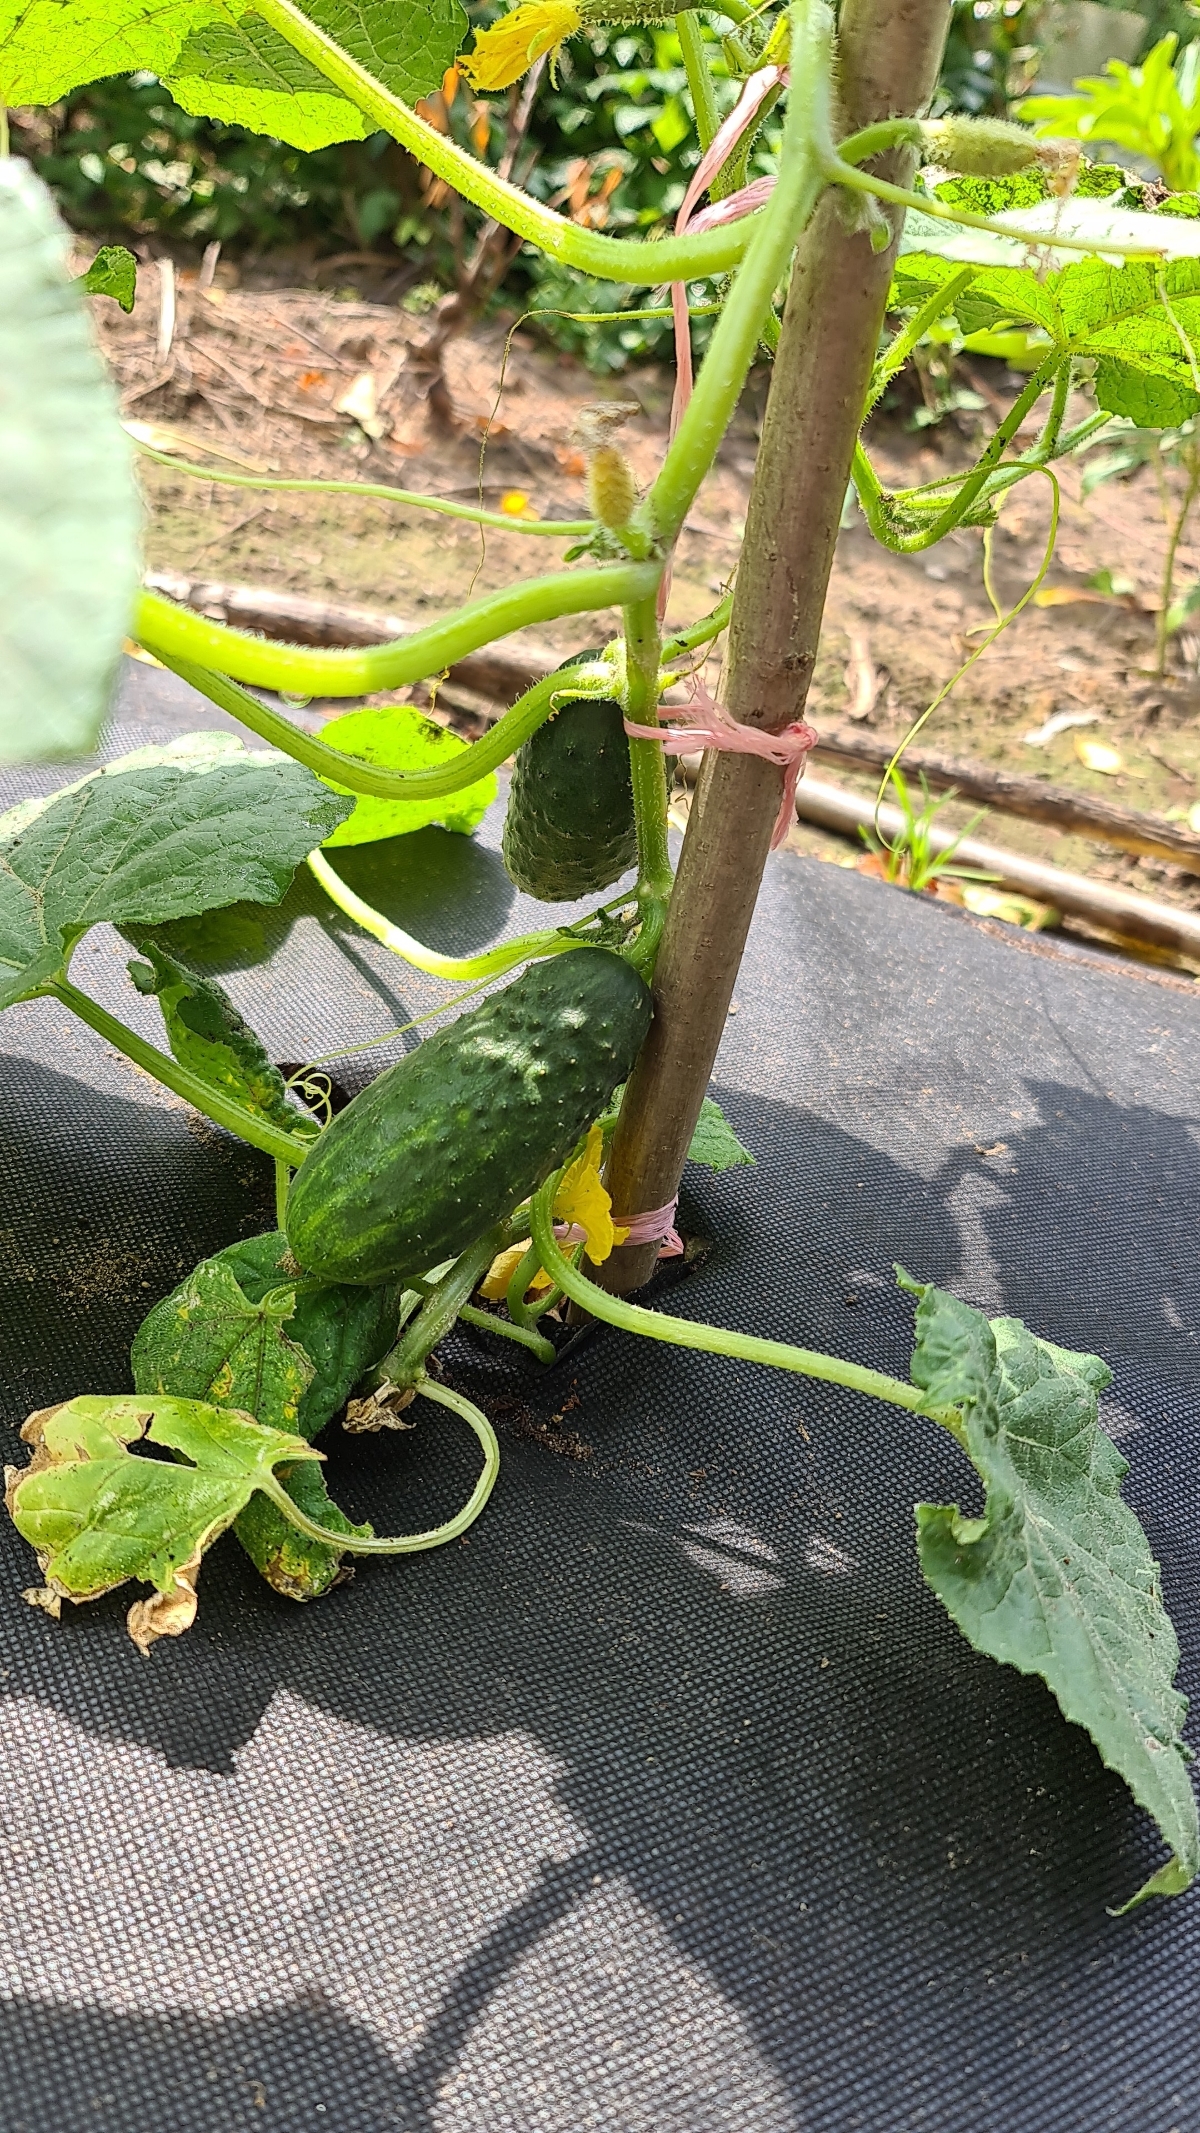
x,y
502,1269
1097,755
582,1199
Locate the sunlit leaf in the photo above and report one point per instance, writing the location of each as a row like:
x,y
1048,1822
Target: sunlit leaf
x,y
113,272
714,1142
403,739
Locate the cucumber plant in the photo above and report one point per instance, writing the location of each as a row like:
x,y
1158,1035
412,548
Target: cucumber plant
x,y
531,1153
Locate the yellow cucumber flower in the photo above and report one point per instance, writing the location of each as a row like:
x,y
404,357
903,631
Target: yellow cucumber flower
x,y
508,50
502,1269
581,1199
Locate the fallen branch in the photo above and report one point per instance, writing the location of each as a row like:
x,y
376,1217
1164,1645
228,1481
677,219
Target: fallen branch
x,y
1073,813
1113,910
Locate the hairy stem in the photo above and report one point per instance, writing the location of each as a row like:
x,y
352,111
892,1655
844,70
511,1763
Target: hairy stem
x,y
553,529
174,633
720,1340
1161,631
888,55
350,772
203,1096
404,1364
875,500
508,1330
408,1543
608,258
704,102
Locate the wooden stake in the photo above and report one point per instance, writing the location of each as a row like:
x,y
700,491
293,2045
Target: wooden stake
x,y
889,54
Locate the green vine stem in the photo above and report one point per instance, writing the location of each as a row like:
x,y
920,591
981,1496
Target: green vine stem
x,y
528,1336
877,503
736,334
174,633
837,171
607,258
404,1364
649,777
528,948
898,351
203,1096
719,1340
527,714
408,1543
551,528
704,102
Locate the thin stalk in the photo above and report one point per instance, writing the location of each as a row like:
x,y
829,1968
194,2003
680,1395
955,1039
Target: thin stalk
x,y
404,1364
649,776
551,528
736,334
685,258
459,969
408,1543
721,1340
537,1343
703,632
202,1095
350,772
1161,632
283,1179
704,101
837,171
174,633
522,1274
875,500
898,351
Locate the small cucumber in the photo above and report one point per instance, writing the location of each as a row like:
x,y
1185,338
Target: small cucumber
x,y
569,829
451,1139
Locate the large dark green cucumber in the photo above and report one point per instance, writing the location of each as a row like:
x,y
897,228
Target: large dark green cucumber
x,y
569,829
451,1139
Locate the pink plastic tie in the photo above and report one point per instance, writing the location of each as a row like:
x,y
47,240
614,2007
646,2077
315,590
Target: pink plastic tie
x,y
710,726
656,1227
569,1233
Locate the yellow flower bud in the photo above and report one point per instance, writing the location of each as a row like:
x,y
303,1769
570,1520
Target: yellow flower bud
x,y
508,50
612,491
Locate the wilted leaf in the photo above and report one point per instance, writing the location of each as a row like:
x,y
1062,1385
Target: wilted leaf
x,y
98,1514
69,511
403,739
190,1344
1056,1578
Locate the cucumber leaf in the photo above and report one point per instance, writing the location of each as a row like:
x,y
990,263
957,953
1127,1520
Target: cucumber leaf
x,y
234,67
403,739
48,47
1056,1578
209,1037
98,1514
150,844
113,272
714,1142
69,511
239,1332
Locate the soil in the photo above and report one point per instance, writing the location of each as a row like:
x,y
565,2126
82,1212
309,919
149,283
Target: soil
x,y
252,380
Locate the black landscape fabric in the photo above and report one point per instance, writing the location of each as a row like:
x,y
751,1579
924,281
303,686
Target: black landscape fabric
x,y
669,1798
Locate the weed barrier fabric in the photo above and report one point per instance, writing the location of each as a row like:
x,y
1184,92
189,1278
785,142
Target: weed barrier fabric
x,y
669,1798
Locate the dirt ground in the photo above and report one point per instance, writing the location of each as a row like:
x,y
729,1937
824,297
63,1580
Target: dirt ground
x,y
257,375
